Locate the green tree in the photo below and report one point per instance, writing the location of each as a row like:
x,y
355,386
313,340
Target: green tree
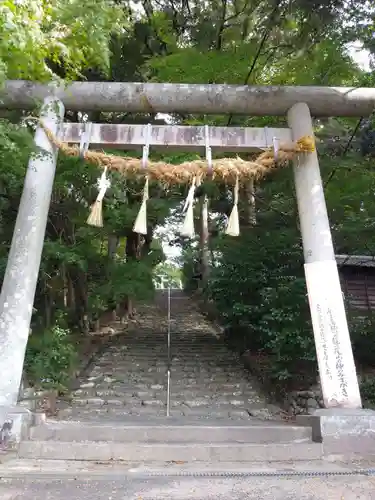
x,y
168,274
40,40
84,271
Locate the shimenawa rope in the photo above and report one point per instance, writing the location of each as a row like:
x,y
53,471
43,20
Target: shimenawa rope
x,y
231,170
224,169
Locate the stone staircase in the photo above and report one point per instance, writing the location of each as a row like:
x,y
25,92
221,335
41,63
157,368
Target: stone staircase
x,y
217,412
170,442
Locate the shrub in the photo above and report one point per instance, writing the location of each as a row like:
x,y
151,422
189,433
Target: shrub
x,y
50,358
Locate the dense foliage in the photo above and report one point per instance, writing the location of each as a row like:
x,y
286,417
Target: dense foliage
x,y
42,39
255,282
84,271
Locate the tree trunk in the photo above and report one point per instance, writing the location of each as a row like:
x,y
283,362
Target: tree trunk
x,y
250,203
204,241
127,310
70,301
65,285
133,244
133,250
81,299
113,242
48,308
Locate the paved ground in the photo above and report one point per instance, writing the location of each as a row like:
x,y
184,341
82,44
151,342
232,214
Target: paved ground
x,y
130,377
337,488
58,480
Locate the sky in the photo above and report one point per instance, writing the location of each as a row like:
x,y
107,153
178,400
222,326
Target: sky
x,y
360,56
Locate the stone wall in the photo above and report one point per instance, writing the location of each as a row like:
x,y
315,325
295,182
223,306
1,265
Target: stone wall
x,y
303,402
303,399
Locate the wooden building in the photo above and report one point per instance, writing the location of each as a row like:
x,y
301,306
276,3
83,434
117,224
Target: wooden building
x,y
357,275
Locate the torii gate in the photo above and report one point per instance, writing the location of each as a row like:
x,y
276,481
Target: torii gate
x,y
332,339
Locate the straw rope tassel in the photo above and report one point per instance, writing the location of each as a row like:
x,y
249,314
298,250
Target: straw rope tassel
x,y
188,225
96,214
140,224
233,226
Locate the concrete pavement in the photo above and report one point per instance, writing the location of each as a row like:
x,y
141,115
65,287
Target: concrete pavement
x,y
60,480
164,488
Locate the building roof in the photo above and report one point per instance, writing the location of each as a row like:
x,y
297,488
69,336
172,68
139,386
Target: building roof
x,y
356,260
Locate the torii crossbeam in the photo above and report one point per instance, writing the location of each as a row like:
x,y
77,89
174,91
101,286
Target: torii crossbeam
x,y
191,98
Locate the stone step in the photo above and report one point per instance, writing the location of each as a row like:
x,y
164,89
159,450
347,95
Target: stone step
x,y
187,387
218,375
183,371
118,402
186,406
162,335
177,393
208,351
146,432
161,338
223,375
150,366
141,383
208,414
139,389
170,452
207,348
136,356
196,399
138,378
110,415
211,412
137,362
141,345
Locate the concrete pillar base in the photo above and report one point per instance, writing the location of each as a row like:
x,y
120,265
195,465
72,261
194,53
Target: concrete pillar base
x,y
15,423
344,431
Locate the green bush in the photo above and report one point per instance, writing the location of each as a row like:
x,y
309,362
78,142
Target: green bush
x,y
50,358
367,387
260,294
362,334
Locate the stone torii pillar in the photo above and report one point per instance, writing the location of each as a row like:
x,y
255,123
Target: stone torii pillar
x,y
332,340
21,275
